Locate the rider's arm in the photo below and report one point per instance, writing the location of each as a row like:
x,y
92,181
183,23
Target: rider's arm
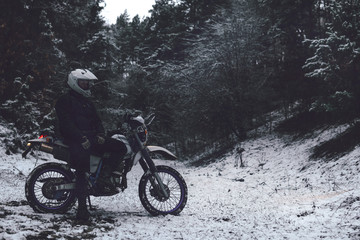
x,y
67,126
98,123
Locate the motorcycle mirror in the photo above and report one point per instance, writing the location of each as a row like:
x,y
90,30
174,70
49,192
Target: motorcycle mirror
x,y
150,119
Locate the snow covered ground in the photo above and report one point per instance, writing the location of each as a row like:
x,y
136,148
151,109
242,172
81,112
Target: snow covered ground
x,y
279,194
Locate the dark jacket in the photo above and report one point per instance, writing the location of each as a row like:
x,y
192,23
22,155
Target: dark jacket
x,y
77,117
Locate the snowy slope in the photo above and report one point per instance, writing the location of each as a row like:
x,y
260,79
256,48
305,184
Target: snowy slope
x,y
279,194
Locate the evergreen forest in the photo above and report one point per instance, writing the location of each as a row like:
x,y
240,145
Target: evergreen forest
x,y
210,70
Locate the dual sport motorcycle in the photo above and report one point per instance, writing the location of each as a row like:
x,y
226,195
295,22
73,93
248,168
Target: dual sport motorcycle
x,y
50,187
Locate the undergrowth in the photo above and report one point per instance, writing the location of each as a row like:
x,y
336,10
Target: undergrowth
x,y
338,146
304,125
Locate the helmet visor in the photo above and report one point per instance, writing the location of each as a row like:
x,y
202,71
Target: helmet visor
x,y
85,84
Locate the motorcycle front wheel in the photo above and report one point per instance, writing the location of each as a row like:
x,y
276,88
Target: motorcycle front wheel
x,y
40,188
153,200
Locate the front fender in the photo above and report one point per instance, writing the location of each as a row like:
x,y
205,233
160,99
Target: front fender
x,y
162,151
156,149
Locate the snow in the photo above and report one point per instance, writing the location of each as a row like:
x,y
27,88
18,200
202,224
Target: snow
x,y
279,194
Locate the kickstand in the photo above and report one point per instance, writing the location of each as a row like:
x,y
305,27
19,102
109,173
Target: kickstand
x,y
90,206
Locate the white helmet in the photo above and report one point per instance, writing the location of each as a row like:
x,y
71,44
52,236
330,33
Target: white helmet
x,y
85,78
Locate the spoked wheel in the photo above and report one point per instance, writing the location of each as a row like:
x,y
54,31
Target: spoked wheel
x,y
155,201
40,189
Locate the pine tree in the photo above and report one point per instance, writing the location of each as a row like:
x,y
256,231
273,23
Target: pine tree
x,y
335,60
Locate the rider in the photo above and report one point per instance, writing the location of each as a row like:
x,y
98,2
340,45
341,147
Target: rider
x,y
82,130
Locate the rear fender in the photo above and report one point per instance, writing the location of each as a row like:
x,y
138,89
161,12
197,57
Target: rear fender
x,y
38,140
42,139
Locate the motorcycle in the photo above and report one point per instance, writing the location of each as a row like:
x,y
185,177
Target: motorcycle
x,y
50,187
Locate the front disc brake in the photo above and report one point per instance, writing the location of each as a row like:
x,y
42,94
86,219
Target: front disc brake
x,y
157,193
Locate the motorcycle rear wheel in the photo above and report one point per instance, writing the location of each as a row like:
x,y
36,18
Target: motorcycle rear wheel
x,y
40,192
174,184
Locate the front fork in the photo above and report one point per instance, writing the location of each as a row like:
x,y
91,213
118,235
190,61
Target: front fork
x,y
148,166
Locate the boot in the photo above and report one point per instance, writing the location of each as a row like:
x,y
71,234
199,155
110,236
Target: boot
x,y
82,213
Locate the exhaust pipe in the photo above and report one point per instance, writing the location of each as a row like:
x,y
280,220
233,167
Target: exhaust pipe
x,y
46,148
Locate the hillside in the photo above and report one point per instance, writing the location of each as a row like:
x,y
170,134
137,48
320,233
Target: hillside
x,y
281,193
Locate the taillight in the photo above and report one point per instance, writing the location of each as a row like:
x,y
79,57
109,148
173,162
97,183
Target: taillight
x,y
47,138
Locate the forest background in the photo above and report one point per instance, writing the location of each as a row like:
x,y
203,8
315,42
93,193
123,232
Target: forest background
x,y
209,69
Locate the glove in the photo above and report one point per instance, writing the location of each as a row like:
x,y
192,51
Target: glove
x,y
86,143
100,139
128,116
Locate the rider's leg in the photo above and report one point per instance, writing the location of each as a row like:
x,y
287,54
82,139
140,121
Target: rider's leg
x,y
80,160
81,194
